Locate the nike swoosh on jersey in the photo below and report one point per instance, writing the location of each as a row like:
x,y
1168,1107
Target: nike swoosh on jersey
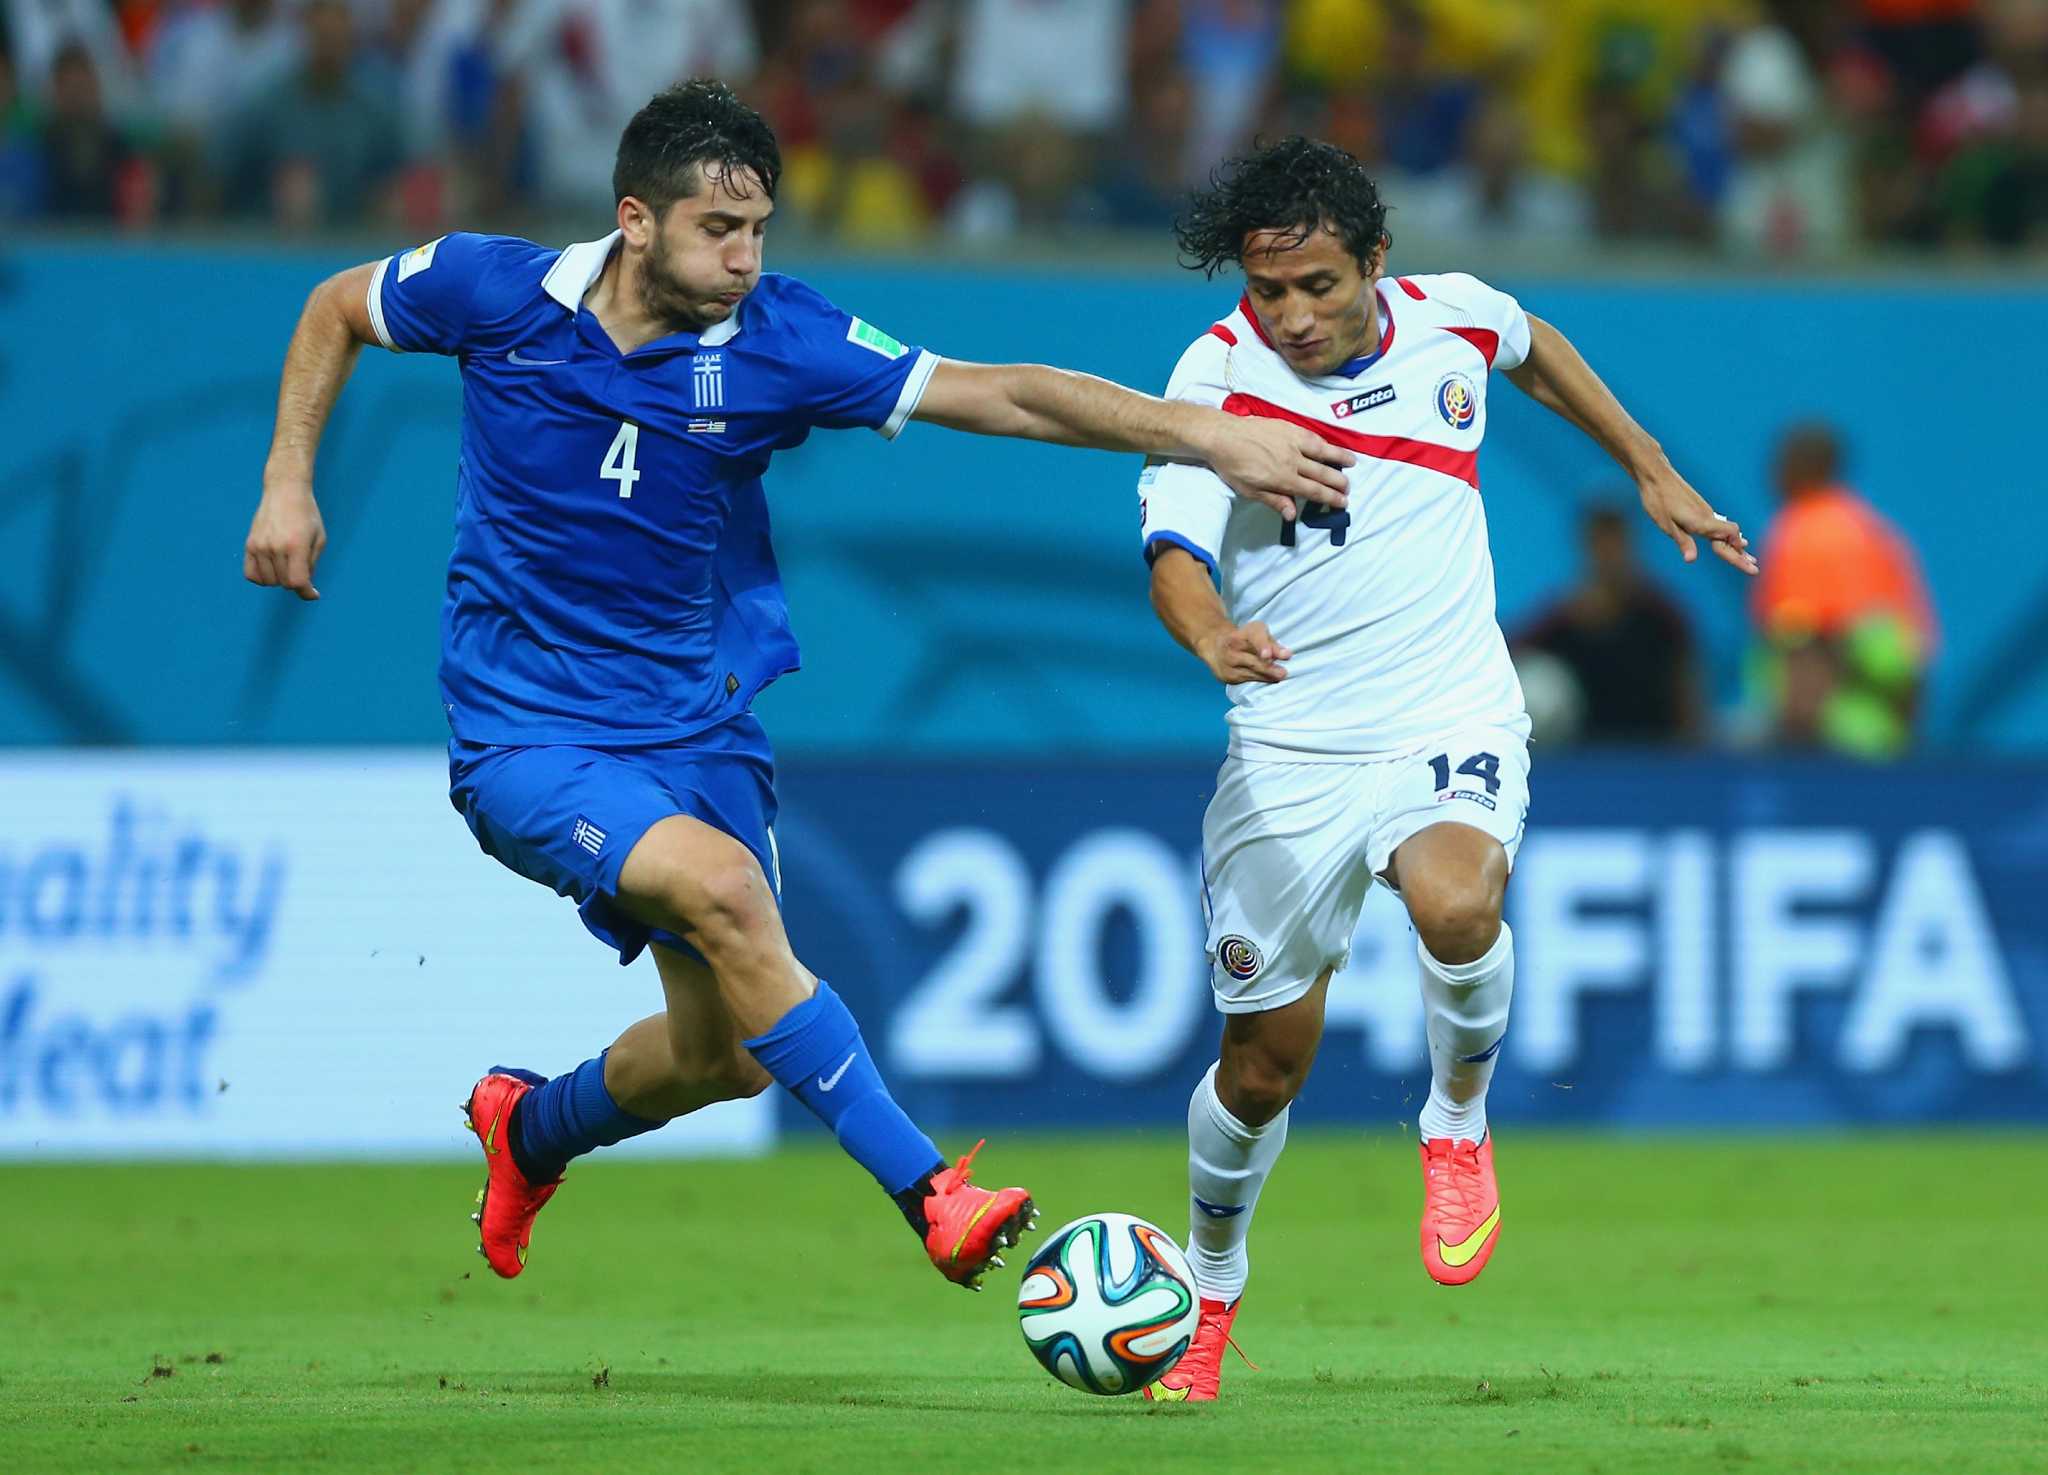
x,y
1462,1252
825,1085
516,357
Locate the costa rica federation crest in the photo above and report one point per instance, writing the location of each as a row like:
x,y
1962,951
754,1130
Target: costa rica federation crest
x,y
1457,401
1239,957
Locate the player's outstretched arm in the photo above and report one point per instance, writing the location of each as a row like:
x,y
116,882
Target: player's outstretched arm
x,y
286,537
1188,606
1267,460
1558,378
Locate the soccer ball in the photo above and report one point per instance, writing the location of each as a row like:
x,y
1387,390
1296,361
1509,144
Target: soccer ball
x,y
1108,1305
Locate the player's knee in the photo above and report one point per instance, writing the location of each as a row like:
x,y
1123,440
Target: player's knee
x,y
727,906
1457,920
1256,1085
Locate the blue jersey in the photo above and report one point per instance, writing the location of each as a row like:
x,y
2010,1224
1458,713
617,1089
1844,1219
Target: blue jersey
x,y
612,582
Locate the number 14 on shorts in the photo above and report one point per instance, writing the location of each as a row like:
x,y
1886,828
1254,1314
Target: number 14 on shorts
x,y
1483,766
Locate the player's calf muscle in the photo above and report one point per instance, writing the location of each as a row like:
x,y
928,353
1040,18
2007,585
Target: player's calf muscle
x,y
658,1072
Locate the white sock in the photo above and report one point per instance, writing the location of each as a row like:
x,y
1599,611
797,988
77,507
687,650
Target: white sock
x,y
1465,1006
1227,1166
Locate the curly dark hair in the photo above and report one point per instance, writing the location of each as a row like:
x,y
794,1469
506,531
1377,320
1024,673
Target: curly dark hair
x,y
1296,185
686,129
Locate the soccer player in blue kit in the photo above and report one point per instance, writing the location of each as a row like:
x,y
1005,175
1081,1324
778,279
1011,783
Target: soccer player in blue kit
x,y
613,607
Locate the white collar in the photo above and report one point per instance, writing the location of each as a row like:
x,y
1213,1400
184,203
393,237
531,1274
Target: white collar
x,y
581,264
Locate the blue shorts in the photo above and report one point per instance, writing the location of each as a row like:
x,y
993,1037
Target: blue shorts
x,y
568,817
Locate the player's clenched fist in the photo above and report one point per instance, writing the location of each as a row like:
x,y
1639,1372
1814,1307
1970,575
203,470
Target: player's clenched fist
x,y
1245,653
285,541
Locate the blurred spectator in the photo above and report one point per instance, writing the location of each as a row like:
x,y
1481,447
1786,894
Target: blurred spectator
x,y
21,154
1789,193
1845,624
1036,81
1144,181
323,145
90,171
210,61
1997,192
1423,107
38,30
859,163
851,181
1491,196
1229,50
207,63
1987,136
606,59
1060,61
1628,649
1771,128
1925,43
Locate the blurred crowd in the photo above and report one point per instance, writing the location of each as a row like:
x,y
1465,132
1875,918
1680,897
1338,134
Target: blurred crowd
x,y
1801,128
1844,630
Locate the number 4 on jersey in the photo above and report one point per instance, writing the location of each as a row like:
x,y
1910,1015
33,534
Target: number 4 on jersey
x,y
619,460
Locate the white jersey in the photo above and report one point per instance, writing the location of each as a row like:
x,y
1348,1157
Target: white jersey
x,y
1387,606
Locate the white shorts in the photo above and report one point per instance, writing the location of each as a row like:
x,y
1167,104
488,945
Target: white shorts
x,y
1289,851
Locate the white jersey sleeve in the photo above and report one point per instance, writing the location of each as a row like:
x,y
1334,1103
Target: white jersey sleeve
x,y
1180,504
1487,308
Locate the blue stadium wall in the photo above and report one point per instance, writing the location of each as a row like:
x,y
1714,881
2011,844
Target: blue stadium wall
x,y
953,596
994,765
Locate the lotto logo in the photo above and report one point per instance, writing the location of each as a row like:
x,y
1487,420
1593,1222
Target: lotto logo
x,y
1372,399
1239,957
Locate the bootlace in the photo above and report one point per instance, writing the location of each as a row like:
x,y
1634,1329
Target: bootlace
x,y
1454,1169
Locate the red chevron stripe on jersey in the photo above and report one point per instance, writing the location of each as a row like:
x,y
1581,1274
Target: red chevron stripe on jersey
x,y
1484,339
1464,465
1220,331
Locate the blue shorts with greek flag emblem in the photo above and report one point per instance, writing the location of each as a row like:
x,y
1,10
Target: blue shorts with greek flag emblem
x,y
568,817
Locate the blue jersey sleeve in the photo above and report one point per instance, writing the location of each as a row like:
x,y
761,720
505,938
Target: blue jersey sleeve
x,y
438,298
845,372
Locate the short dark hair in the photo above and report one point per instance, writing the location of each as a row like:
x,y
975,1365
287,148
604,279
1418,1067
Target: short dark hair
x,y
686,130
1296,185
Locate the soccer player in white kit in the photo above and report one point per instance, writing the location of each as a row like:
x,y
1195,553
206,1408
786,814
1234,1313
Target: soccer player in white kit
x,y
1376,725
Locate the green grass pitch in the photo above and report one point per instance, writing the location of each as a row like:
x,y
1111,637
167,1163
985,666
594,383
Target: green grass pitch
x,y
1866,1304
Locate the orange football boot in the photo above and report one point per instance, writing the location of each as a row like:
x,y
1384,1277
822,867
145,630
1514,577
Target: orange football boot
x,y
1199,1373
507,1202
1460,1209
966,1226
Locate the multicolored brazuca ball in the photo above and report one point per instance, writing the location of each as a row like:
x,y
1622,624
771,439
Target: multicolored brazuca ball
x,y
1108,1305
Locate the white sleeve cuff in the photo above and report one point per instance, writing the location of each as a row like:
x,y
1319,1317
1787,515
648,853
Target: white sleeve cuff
x,y
1514,343
913,391
377,306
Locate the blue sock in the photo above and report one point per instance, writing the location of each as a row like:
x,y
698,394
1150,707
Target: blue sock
x,y
565,1118
816,1052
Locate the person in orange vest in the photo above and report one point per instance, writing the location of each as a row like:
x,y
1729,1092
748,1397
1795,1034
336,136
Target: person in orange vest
x,y
1847,630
